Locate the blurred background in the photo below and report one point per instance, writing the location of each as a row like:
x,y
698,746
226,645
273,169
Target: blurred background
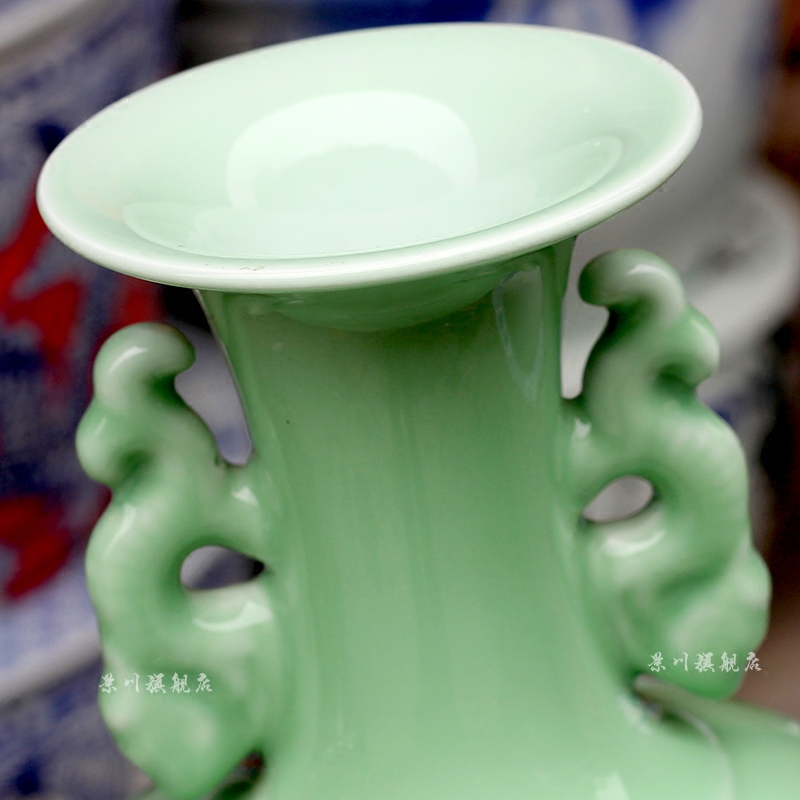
x,y
729,221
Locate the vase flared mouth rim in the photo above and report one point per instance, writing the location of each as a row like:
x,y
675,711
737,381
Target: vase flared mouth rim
x,y
369,157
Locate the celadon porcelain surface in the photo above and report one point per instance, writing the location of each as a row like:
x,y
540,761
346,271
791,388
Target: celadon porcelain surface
x,y
380,227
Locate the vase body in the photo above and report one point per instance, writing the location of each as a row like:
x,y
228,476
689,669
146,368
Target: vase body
x,y
436,619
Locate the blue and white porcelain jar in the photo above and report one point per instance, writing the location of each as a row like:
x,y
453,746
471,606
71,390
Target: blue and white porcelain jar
x,y
61,61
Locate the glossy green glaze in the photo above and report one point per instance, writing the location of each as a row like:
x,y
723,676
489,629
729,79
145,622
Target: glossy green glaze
x,y
437,621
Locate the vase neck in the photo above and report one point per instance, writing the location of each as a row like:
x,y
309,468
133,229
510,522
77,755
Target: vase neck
x,y
430,583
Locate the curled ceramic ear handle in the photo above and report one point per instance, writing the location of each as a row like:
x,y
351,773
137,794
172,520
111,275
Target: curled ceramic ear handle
x,y
140,439
680,579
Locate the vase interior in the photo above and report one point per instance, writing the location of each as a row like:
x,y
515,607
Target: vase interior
x,y
352,145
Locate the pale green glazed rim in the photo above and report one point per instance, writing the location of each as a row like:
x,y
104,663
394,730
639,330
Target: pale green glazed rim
x,y
150,261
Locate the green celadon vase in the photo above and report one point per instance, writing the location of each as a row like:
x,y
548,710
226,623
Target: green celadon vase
x,y
380,226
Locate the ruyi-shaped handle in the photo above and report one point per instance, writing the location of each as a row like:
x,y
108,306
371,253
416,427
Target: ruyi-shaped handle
x,y
679,580
172,493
